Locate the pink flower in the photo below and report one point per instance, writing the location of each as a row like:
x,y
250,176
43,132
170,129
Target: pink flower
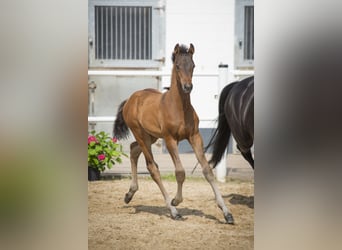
x,y
91,138
115,139
101,157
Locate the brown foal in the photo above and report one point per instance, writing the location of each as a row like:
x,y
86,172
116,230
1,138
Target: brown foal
x,y
150,115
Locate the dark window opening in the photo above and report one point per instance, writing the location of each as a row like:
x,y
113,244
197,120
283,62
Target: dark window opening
x,y
123,33
249,33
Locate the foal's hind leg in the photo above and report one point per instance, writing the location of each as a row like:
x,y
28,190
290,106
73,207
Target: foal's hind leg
x,y
134,156
197,144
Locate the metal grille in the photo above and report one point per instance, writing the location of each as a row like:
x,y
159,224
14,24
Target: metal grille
x,y
123,33
249,33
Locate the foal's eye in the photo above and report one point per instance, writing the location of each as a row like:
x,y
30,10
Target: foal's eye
x,y
177,67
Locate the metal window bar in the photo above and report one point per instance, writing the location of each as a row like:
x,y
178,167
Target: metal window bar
x,y
249,33
123,33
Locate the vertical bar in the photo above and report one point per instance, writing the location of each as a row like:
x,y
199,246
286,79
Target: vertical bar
x,y
126,31
116,33
245,35
106,30
252,33
249,33
135,33
99,37
102,32
99,33
144,33
123,47
121,34
141,21
130,33
96,32
150,33
111,32
139,41
117,12
147,32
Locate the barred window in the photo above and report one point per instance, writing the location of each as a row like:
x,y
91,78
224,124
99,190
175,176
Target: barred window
x,y
123,33
244,34
249,33
126,33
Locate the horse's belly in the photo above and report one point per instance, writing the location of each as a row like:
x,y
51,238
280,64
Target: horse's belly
x,y
151,124
153,131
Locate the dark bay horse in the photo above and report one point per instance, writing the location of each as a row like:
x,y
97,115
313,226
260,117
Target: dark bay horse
x,y
236,117
150,115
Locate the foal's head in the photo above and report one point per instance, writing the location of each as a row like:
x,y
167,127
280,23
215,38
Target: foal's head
x,y
184,65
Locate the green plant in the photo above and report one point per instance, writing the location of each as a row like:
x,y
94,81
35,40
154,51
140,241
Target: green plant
x,y
103,151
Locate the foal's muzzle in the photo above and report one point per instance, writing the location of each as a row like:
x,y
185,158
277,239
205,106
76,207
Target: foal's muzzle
x,y
187,87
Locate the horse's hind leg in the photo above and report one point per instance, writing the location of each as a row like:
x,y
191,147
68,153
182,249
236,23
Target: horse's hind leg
x,y
248,156
197,144
134,156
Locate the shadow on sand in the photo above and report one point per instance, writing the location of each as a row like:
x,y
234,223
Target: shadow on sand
x,y
163,211
238,199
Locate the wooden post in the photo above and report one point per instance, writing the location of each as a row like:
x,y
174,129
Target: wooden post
x,y
221,168
92,87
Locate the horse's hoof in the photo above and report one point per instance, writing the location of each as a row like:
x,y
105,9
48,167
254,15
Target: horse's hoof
x,y
177,217
173,203
229,219
128,198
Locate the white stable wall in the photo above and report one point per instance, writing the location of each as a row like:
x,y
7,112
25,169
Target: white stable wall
x,y
209,25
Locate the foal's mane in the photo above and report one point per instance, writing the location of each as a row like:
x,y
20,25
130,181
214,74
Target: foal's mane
x,y
183,49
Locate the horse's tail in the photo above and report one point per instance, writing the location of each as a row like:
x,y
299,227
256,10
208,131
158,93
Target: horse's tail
x,y
120,129
220,139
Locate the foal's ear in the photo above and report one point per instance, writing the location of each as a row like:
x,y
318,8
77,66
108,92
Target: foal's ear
x,y
191,49
176,49
175,52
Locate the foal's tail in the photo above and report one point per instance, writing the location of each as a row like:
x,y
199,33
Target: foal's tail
x,y
120,130
220,138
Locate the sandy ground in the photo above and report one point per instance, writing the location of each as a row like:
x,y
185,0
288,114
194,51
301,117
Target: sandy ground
x,y
145,222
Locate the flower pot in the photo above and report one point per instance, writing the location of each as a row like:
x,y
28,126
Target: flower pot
x,y
93,174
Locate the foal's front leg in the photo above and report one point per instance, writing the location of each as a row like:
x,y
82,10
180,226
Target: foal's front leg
x,y
172,147
197,144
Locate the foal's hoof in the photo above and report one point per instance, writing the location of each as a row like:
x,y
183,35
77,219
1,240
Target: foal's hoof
x,y
128,198
177,217
229,219
174,203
